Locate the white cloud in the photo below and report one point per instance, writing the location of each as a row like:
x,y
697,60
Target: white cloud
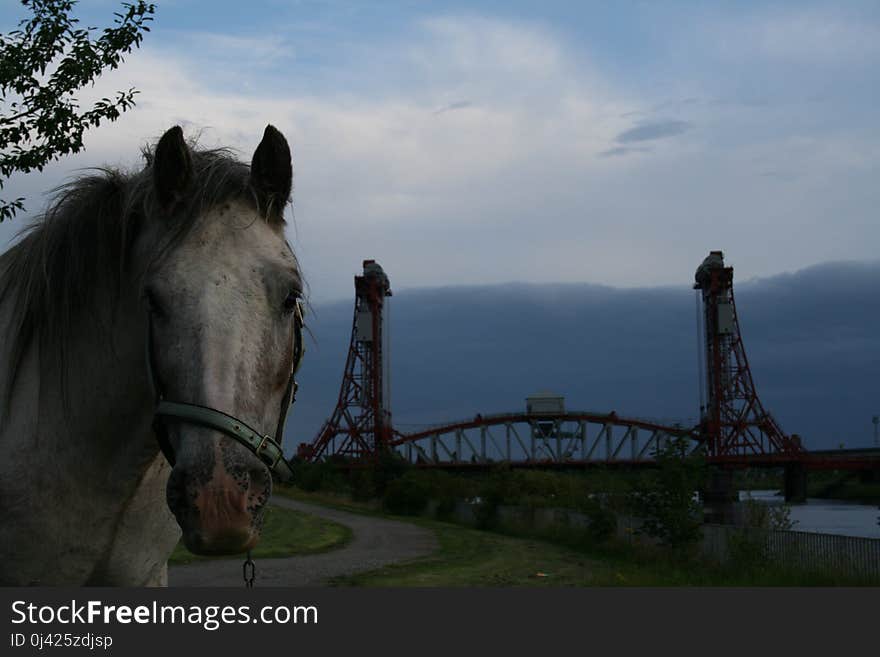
x,y
471,45
512,186
801,35
263,48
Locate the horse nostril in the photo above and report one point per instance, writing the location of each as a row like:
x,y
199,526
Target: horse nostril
x,y
261,486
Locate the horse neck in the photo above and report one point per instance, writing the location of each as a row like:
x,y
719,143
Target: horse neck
x,y
94,476
107,397
91,409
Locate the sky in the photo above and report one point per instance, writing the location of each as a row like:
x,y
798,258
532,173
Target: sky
x,y
468,143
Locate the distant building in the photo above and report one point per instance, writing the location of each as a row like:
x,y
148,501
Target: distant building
x,y
545,403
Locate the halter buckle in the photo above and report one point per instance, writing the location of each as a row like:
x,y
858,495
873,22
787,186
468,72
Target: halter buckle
x,y
261,452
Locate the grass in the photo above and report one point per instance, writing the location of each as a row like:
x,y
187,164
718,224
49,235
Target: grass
x,y
467,557
340,501
286,533
471,557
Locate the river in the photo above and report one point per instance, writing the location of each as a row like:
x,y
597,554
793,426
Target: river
x,y
826,516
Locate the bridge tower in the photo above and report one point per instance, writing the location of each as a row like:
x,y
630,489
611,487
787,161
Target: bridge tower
x,y
361,422
733,421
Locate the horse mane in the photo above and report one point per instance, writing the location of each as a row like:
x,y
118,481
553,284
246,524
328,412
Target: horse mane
x,y
82,244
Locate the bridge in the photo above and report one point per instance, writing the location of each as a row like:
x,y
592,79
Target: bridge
x,y
734,429
570,438
578,439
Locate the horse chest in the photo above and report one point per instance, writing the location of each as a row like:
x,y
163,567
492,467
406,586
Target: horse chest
x,y
145,534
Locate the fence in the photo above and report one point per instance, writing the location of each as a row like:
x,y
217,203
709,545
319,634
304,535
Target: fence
x,y
829,553
825,553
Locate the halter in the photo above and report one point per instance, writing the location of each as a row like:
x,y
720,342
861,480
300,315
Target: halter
x,y
266,448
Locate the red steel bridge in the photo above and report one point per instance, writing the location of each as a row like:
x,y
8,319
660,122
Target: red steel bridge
x,y
735,429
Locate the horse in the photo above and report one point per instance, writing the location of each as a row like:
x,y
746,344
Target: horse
x,y
151,328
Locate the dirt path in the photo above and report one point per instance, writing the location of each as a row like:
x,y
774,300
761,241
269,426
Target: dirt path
x,y
376,543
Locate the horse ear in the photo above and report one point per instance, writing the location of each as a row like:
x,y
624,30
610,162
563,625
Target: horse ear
x,y
272,173
172,168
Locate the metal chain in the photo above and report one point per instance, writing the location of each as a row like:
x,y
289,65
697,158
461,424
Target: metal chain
x,y
249,571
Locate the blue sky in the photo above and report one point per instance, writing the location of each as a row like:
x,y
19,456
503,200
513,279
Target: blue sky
x,y
472,143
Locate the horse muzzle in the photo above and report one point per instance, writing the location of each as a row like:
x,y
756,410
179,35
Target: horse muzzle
x,y
218,497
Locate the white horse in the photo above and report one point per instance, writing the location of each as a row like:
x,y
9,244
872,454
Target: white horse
x,y
174,283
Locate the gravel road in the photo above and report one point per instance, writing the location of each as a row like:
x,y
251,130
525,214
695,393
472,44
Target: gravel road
x,y
376,542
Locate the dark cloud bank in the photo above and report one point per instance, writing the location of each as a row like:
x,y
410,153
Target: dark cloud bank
x,y
811,337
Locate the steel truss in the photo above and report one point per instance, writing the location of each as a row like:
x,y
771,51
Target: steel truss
x,y
734,422
361,421
571,438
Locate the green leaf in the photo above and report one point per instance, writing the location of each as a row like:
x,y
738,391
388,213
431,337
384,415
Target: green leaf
x,y
44,122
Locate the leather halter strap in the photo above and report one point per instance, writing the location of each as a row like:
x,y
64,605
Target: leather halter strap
x,y
264,446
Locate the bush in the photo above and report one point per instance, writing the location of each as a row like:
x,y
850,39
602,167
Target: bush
x,y
446,489
307,475
748,546
603,521
408,495
363,484
318,476
390,466
666,500
499,487
445,508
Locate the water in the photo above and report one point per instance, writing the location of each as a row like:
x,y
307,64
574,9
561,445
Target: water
x,y
826,516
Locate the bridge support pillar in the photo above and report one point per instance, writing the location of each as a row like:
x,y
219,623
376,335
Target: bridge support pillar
x,y
795,482
720,497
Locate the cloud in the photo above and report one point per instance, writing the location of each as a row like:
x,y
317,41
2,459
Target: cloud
x,y
537,178
782,176
653,130
617,151
256,49
676,104
451,107
818,36
364,159
474,43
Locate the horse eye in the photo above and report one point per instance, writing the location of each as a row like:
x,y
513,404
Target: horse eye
x,y
290,303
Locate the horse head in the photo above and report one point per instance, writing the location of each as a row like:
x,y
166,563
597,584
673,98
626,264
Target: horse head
x,y
222,307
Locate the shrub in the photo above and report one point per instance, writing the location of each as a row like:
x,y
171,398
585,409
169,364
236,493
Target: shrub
x,y
408,495
748,546
307,475
498,487
445,508
389,467
363,484
603,521
312,477
666,500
